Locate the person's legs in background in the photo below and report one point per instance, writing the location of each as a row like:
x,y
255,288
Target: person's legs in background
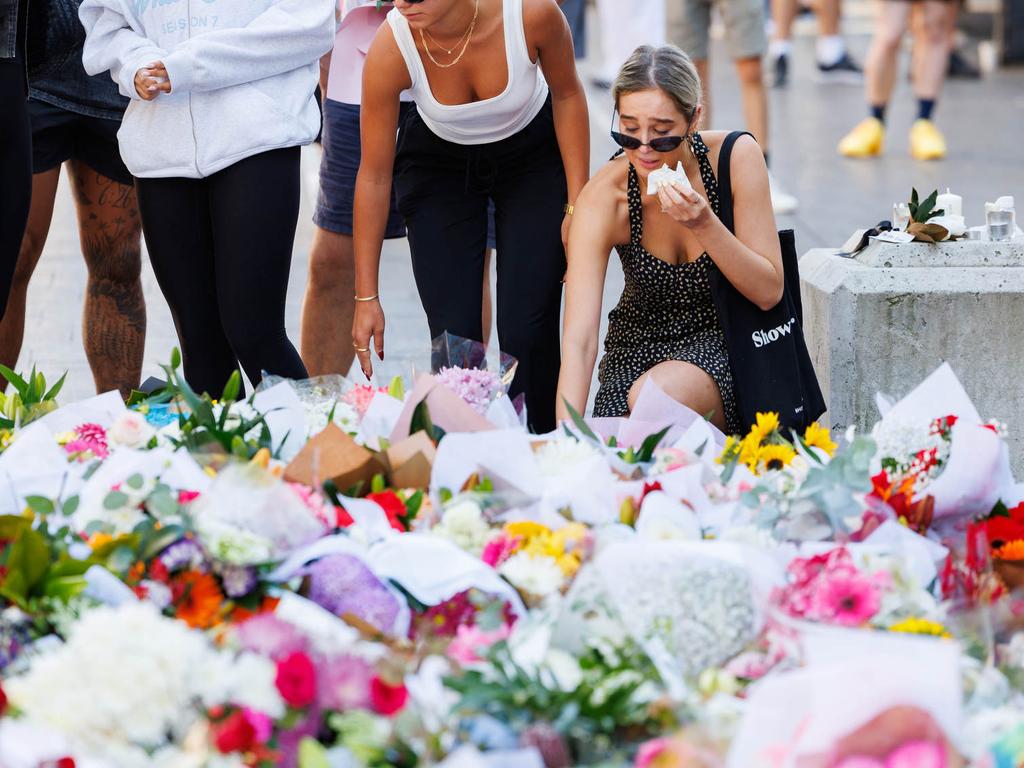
x,y
15,168
931,60
746,42
12,328
179,237
253,237
688,24
833,59
114,315
867,138
576,14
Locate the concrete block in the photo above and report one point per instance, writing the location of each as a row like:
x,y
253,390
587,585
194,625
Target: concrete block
x,y
884,320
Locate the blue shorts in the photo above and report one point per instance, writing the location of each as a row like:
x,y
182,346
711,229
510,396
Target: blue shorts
x,y
339,166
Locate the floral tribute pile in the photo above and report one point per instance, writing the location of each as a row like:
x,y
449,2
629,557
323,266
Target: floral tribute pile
x,y
330,575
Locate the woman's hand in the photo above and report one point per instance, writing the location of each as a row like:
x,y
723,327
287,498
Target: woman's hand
x,y
684,205
152,80
368,322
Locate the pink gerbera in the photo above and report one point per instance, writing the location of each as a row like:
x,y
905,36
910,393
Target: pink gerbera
x,y
90,442
360,397
850,600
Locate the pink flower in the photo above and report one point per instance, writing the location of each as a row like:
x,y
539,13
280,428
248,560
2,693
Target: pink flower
x,y
90,442
471,642
849,600
499,549
668,753
315,503
360,397
913,754
475,386
262,726
345,683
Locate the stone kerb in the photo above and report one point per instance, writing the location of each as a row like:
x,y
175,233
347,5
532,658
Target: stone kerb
x,y
883,321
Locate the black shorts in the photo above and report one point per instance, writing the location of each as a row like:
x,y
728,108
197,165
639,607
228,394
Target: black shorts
x,y
59,135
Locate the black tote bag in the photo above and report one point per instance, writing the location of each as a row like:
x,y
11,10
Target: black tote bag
x,y
771,369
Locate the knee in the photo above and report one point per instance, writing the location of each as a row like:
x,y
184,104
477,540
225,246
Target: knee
x,y
889,39
932,32
115,260
750,72
331,264
28,256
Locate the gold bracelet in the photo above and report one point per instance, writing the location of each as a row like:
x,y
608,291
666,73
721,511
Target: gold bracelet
x,y
368,298
568,209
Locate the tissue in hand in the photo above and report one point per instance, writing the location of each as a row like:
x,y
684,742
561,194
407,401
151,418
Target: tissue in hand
x,y
664,176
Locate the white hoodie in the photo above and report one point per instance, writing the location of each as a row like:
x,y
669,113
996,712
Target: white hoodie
x,y
242,76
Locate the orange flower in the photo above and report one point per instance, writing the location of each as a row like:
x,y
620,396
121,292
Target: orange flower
x,y
197,599
240,614
1011,550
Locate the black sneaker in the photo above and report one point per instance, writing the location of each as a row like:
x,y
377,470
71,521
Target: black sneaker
x,y
845,71
780,70
960,67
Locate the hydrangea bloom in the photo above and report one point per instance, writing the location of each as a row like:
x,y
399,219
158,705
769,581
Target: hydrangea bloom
x,y
344,584
475,386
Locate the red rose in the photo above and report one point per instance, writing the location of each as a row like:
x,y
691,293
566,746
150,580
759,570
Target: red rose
x,y
393,507
235,734
3,701
296,680
387,699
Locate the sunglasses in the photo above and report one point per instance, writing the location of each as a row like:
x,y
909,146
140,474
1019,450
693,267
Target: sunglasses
x,y
659,144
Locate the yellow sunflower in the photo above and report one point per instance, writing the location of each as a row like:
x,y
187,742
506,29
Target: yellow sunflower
x,y
772,457
750,449
767,423
730,451
816,436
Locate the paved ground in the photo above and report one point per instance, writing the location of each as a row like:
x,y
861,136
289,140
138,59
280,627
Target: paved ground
x,y
982,120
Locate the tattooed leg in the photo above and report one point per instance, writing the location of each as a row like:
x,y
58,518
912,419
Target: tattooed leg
x,y
114,316
12,328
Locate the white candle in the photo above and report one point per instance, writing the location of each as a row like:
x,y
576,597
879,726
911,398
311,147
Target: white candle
x,y
950,204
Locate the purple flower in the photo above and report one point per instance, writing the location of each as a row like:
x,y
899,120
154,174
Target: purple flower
x,y
475,386
238,580
344,683
184,554
268,636
343,584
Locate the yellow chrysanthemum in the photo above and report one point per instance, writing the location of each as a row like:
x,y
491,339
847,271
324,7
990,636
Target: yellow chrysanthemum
x,y
775,456
1011,550
527,530
766,424
918,626
816,436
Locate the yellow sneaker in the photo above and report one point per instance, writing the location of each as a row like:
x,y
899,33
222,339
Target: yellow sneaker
x,y
865,140
926,141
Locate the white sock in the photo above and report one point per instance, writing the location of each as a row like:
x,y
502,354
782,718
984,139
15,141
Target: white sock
x,y
831,48
779,48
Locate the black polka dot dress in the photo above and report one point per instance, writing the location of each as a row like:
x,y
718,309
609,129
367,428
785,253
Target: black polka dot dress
x,y
666,313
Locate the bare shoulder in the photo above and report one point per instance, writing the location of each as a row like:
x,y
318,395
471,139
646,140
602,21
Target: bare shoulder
x,y
537,14
385,68
746,152
602,202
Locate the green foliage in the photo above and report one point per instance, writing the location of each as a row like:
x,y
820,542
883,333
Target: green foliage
x,y
30,399
207,425
923,210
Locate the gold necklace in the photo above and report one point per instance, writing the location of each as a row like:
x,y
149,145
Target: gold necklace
x,y
468,36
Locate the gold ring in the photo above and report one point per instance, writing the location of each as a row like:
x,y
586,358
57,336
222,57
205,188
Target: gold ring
x,y
361,349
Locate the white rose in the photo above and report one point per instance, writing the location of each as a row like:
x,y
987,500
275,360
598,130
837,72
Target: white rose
x,y
131,430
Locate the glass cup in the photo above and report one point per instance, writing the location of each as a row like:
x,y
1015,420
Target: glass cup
x,y
900,216
1000,225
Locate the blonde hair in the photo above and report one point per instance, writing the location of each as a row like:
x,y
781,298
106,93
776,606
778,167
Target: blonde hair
x,y
667,68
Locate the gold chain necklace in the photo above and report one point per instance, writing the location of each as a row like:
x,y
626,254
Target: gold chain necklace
x,y
468,36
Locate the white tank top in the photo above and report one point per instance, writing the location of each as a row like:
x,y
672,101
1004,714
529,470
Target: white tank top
x,y
479,122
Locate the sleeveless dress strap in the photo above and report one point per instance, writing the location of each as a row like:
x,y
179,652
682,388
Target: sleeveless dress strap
x,y
636,208
707,173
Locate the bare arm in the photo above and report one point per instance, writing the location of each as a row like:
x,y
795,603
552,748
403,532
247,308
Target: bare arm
x,y
550,30
384,78
591,239
751,259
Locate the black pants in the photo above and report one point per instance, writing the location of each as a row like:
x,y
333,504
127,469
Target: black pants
x,y
442,191
221,248
15,169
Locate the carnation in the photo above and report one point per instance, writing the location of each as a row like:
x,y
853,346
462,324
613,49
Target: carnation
x,y
558,457
535,576
464,525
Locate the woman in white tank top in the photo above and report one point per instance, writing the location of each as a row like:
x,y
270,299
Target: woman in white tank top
x,y
500,115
